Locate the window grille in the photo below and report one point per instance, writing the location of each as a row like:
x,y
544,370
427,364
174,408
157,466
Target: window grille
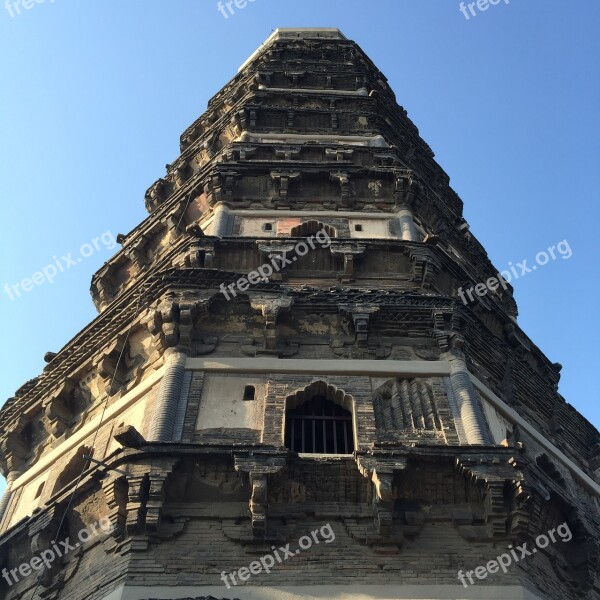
x,y
319,426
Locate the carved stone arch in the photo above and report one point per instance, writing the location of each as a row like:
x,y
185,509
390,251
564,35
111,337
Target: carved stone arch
x,y
311,227
320,419
320,388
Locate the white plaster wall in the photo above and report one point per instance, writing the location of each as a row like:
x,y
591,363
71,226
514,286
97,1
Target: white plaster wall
x,y
134,416
222,403
371,228
253,227
28,503
208,225
134,400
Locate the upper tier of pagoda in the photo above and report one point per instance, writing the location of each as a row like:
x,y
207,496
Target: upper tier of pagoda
x,y
308,125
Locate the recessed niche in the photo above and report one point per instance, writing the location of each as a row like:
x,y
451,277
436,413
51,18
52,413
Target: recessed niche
x,y
39,490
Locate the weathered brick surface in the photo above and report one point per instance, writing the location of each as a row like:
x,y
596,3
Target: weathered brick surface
x,y
193,406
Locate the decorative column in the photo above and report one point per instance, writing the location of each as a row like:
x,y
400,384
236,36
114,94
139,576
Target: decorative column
x,y
407,190
408,230
220,221
162,428
466,400
5,501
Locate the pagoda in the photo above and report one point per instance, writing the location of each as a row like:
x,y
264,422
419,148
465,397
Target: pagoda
x,y
283,353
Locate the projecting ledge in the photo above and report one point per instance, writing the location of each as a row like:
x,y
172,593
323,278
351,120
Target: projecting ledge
x,y
379,368
317,592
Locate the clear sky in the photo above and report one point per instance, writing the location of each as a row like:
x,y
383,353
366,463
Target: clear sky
x,y
95,94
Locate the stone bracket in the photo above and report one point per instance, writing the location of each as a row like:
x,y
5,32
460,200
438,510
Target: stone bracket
x,y
381,471
15,450
348,251
343,179
58,411
172,322
240,152
222,186
288,152
339,154
201,255
137,494
270,307
42,533
408,187
385,159
155,195
445,326
103,286
277,251
264,77
146,494
136,252
180,171
426,266
360,314
503,493
515,339
258,468
295,76
114,488
285,178
106,365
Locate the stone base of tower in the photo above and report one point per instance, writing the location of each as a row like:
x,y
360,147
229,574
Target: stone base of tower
x,y
336,592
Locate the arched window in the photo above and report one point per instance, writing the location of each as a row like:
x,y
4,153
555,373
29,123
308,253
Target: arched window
x,y
310,228
319,426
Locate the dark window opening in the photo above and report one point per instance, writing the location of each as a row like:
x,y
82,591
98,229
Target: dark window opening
x,y
319,426
311,228
249,392
358,227
268,226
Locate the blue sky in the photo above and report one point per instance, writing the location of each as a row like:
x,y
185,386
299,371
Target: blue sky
x,y
94,96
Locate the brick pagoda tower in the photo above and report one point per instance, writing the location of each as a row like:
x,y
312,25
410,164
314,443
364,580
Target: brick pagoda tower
x,y
347,397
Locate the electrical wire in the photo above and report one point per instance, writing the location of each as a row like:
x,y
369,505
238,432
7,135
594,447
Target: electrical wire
x,y
100,423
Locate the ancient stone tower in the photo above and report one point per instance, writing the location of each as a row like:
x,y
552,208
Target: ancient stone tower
x,y
281,355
